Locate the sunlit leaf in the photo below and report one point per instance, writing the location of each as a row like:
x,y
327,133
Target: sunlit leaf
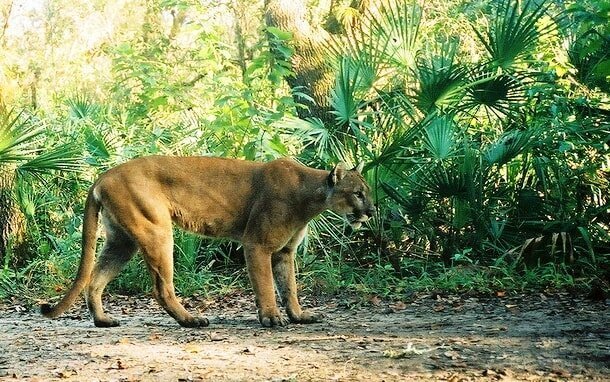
x,y
81,107
351,86
514,30
18,136
66,157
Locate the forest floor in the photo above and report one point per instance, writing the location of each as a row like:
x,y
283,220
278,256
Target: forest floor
x,y
451,338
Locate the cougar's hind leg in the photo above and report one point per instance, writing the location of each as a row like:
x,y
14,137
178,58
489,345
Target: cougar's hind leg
x,y
157,248
118,249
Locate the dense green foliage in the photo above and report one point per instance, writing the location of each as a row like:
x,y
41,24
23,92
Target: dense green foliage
x,y
484,128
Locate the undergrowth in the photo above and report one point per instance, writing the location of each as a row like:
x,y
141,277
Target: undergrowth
x,y
197,273
469,279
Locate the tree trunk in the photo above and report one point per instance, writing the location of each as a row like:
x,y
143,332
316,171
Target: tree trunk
x,y
6,14
312,75
12,221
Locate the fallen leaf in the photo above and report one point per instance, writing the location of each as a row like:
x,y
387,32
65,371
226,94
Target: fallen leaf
x,y
451,354
154,336
439,307
375,300
410,350
215,337
192,348
512,308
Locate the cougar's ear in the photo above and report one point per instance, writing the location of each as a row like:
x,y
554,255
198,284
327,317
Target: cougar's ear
x,y
336,174
359,168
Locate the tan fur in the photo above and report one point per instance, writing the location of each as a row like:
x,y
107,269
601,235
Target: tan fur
x,y
265,206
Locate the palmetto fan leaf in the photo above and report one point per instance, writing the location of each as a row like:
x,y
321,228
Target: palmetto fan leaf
x,y
494,90
81,107
413,204
590,55
440,79
392,151
398,28
509,146
385,37
440,180
359,45
327,141
514,30
100,144
347,97
66,157
19,144
17,136
396,106
439,138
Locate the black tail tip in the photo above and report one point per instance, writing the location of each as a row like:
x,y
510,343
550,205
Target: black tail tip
x,y
46,309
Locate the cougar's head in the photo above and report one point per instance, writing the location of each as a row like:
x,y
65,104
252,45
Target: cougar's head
x,y
350,195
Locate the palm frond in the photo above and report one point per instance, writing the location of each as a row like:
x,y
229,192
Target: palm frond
x,y
397,105
412,204
325,141
66,157
440,180
398,27
81,106
17,136
387,36
440,139
497,92
440,79
392,149
509,146
99,144
347,97
26,196
324,230
514,31
590,55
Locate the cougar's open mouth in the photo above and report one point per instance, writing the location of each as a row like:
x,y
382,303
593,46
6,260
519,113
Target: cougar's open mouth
x,y
356,221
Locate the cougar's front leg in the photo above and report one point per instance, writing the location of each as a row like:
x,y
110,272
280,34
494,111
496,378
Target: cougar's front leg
x,y
285,280
258,261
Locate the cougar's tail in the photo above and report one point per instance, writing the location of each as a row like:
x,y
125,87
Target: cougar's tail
x,y
87,260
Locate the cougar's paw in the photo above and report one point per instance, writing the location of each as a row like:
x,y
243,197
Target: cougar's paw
x,y
106,322
273,320
46,309
195,322
306,317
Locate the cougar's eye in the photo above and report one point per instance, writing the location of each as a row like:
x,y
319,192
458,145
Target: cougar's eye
x,y
359,195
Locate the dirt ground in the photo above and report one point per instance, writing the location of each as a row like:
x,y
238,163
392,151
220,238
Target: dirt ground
x,y
451,338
